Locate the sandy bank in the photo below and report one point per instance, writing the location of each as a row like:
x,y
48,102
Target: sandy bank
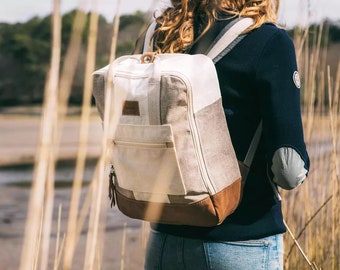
x,y
19,138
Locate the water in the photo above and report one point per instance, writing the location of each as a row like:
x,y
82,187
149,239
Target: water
x,y
19,141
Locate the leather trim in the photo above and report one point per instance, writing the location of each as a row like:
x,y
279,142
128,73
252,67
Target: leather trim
x,y
205,213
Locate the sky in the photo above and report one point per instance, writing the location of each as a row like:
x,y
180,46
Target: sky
x,y
292,12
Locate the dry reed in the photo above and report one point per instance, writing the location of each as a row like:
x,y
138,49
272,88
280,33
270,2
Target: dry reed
x,y
83,136
58,247
67,76
42,191
312,210
122,253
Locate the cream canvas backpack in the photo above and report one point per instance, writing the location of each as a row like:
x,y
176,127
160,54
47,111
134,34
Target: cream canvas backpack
x,y
172,155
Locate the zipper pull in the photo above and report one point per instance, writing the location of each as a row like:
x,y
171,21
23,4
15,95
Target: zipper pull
x,y
112,177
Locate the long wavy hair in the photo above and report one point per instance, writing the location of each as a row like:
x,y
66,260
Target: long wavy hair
x,y
176,31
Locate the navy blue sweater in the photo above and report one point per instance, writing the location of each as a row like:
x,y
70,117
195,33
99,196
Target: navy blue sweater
x,y
257,82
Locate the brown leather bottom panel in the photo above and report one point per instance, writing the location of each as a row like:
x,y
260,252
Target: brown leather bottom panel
x,y
205,213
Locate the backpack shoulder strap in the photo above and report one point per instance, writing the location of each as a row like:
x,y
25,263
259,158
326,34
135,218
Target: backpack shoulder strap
x,y
246,163
225,41
228,38
139,44
253,146
148,41
143,43
223,44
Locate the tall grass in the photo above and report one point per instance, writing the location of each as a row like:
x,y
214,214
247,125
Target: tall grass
x,y
38,226
311,211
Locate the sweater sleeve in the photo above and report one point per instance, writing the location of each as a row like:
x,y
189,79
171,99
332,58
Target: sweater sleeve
x,y
279,96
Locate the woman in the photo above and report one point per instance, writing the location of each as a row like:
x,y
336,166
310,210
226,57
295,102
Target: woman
x,y
259,82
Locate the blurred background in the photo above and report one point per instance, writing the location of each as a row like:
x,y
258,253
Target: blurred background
x,y
25,57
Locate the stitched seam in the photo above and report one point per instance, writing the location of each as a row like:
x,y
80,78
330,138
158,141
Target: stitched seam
x,y
207,257
161,257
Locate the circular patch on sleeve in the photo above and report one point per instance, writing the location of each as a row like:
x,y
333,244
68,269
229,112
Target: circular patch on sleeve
x,y
296,79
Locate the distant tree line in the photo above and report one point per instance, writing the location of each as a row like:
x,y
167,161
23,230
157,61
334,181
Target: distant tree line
x,y
25,53
25,50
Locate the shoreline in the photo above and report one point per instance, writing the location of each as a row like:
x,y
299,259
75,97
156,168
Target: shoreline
x,y
20,137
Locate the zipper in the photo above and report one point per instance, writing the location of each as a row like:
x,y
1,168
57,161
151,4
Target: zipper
x,y
145,144
199,153
112,187
128,75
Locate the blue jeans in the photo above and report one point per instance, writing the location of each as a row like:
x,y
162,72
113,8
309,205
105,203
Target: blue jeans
x,y
166,252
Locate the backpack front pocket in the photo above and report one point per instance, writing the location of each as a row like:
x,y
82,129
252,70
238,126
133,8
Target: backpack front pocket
x,y
146,163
